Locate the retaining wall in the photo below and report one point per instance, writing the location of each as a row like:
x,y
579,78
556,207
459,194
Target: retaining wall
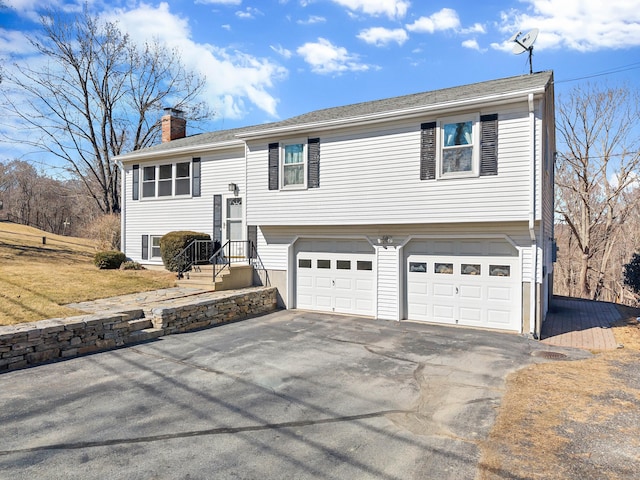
x,y
29,344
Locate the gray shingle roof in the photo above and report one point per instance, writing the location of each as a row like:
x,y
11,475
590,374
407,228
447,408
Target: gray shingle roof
x,y
354,111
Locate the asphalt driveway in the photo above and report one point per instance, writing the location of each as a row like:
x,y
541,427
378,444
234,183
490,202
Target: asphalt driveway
x,y
290,395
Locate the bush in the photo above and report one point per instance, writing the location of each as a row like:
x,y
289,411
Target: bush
x,y
173,243
110,260
130,265
105,230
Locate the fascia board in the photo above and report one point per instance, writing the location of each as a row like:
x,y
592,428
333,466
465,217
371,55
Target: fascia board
x,y
175,152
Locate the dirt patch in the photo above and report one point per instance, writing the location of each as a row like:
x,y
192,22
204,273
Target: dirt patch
x,y
568,420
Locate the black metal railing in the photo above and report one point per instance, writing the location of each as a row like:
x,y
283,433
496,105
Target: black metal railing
x,y
198,252
238,252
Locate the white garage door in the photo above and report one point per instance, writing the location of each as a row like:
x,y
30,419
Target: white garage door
x,y
335,282
481,291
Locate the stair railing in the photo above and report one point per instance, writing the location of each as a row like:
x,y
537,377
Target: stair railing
x,y
197,252
238,251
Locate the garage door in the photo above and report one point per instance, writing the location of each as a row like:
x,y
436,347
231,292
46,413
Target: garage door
x,y
481,291
335,282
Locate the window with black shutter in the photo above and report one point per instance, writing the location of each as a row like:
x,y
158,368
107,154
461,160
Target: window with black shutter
x,y
195,188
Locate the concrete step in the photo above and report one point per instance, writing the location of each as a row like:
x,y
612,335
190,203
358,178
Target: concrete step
x,y
139,324
145,334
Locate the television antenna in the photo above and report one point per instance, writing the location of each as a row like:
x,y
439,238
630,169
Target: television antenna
x,y
524,43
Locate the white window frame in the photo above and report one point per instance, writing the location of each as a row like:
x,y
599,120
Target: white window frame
x,y
152,247
475,138
174,180
283,145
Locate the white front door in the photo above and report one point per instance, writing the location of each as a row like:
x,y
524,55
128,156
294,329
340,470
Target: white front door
x,y
234,227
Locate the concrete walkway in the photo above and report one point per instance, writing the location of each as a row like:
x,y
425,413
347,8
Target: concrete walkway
x,y
578,323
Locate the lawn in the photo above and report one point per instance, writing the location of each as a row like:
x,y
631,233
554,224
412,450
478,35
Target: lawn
x,y
38,278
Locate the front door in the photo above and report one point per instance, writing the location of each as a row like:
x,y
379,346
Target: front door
x,y
235,232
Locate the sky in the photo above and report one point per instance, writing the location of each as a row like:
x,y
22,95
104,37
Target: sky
x,y
267,60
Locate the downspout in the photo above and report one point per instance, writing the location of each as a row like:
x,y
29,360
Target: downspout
x,y
123,207
533,322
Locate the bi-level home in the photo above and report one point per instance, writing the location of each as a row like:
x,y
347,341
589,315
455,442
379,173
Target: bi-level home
x,y
436,206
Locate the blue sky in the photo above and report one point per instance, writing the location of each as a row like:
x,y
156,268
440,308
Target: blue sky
x,y
272,59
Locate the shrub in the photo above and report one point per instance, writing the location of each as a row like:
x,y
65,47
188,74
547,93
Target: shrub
x,y
109,260
106,231
173,243
130,265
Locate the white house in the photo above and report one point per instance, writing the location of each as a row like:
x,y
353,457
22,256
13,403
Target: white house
x,y
435,207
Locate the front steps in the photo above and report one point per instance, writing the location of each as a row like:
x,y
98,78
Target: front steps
x,y
232,278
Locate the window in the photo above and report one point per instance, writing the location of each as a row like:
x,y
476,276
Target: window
x,y
444,268
323,263
155,246
470,269
343,264
454,147
458,147
165,180
169,180
418,267
364,265
293,164
499,270
304,263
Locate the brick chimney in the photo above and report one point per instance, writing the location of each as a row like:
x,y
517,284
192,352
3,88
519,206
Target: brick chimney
x,y
174,125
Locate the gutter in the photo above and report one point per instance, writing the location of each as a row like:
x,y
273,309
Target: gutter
x,y
123,205
533,321
188,150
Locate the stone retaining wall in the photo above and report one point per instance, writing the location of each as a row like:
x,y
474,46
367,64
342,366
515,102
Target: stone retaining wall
x,y
29,344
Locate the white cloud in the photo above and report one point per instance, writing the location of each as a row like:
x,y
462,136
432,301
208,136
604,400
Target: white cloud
x,y
393,9
280,50
233,77
32,9
472,44
248,13
326,58
312,20
13,42
445,19
381,37
582,25
219,2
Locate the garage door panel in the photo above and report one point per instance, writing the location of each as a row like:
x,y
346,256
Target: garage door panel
x,y
338,281
471,289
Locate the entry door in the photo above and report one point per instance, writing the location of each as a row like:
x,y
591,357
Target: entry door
x,y
235,232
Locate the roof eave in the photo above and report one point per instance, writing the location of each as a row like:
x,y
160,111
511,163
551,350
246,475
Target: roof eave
x,y
173,152
395,114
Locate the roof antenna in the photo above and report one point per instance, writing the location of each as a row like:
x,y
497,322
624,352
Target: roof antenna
x,y
525,44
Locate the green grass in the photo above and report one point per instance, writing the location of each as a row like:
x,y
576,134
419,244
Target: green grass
x,y
37,280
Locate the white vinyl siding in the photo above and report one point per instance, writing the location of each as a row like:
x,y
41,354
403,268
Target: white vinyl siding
x,y
371,173
163,215
388,284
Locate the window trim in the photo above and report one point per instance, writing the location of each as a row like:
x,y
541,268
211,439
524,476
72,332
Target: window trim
x,y
305,163
152,246
474,118
174,179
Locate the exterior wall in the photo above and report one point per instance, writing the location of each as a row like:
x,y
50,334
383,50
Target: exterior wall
x,y
385,160
157,216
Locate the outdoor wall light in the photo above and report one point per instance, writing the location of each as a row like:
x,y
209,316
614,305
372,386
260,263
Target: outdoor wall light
x,y
385,240
233,188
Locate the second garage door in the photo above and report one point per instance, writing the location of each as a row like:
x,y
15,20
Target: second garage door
x,y
335,282
482,291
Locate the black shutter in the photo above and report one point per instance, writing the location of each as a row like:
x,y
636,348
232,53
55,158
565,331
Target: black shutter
x,y
252,236
145,247
313,163
489,144
195,177
135,188
428,151
274,166
217,218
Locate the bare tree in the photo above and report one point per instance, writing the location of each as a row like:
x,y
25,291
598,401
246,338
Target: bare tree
x,y
97,94
597,184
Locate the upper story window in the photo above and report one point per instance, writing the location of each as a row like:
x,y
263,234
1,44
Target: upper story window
x,y
458,152
463,146
167,180
294,164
